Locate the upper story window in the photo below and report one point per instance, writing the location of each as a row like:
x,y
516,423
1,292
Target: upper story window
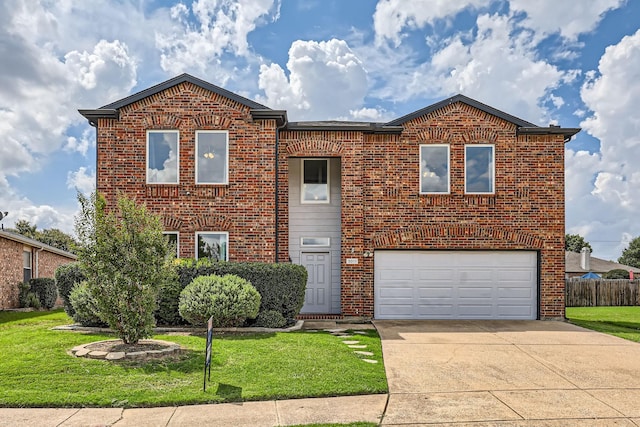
x,y
212,245
479,169
315,181
434,168
162,156
212,157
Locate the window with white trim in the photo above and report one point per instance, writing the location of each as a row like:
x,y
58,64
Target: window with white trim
x,y
162,156
213,245
479,169
315,181
434,169
172,238
27,265
212,157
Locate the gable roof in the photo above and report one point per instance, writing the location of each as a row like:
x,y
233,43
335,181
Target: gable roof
x,y
35,243
597,265
523,127
110,111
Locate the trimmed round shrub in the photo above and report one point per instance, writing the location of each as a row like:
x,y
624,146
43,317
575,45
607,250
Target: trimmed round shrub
x,y
67,276
270,319
229,299
46,291
27,298
84,306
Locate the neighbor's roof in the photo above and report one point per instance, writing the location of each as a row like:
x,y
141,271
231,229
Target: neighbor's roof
x,y
34,243
572,264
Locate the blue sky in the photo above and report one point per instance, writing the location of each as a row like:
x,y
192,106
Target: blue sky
x,y
571,63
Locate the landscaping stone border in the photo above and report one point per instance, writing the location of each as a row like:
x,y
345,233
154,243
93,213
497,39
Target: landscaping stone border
x,y
84,350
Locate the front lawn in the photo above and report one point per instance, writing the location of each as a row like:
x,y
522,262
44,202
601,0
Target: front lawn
x,y
37,371
623,322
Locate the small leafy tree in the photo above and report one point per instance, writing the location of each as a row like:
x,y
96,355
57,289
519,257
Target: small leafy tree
x,y
631,255
124,257
617,273
575,243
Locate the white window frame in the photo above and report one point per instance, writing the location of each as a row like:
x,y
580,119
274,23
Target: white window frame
x,y
177,234
226,160
302,184
177,132
29,257
448,169
492,171
225,233
315,245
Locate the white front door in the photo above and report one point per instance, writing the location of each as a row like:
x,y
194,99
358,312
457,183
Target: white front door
x,y
318,293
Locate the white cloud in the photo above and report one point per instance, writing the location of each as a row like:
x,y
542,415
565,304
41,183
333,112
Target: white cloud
x,y
369,114
567,18
83,180
81,145
603,190
326,80
221,26
393,16
498,66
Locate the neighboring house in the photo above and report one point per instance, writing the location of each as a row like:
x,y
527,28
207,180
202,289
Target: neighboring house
x,y
453,211
24,259
577,264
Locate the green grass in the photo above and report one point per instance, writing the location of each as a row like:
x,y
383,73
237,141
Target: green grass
x,y
37,371
623,322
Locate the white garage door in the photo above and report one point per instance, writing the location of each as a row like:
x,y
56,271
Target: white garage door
x,y
455,285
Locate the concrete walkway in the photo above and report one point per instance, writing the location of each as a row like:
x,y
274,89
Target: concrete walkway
x,y
441,373
508,373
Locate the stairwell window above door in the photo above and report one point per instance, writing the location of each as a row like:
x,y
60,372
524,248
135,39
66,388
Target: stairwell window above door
x,y
315,181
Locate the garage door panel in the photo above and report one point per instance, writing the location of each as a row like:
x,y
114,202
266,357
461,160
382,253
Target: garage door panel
x,y
455,284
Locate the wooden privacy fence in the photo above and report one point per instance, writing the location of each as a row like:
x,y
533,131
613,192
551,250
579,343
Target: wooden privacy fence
x,y
601,292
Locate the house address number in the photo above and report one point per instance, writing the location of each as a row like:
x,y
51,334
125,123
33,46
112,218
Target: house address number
x,y
352,261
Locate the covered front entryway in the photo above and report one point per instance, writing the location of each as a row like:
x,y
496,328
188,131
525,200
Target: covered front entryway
x,y
314,229
456,284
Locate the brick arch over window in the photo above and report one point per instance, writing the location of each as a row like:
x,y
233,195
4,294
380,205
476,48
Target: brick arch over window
x,y
211,120
314,147
480,134
171,223
161,121
439,234
435,134
212,222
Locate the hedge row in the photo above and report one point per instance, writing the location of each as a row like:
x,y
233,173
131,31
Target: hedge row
x,y
281,286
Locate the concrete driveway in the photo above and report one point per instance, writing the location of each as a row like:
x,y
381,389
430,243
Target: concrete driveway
x,y
508,373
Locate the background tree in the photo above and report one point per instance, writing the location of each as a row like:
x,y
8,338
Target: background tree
x,y
631,255
575,243
52,236
25,228
125,257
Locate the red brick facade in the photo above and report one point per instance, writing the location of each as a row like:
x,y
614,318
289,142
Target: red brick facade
x,y
382,207
45,261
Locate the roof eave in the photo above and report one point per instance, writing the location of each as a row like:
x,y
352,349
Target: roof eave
x,y
101,113
280,116
36,244
567,133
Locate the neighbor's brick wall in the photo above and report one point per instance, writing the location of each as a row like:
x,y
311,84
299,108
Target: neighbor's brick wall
x,y
382,207
243,208
48,262
11,272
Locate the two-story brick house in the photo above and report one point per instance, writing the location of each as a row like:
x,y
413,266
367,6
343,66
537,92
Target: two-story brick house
x,y
453,211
